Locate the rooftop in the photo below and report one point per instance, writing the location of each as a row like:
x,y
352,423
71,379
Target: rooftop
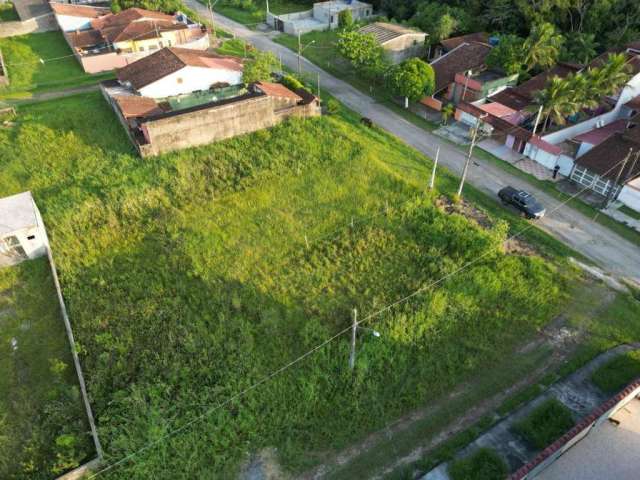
x,y
384,32
83,11
606,159
599,135
170,60
610,450
466,56
17,212
453,42
28,9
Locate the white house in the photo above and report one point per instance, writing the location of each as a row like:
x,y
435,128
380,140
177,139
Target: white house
x,y
630,194
22,233
399,43
323,16
175,71
71,18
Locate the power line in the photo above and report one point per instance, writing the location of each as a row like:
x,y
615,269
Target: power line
x,y
297,360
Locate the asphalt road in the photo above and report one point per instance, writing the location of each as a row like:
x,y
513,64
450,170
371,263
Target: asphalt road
x,y
613,253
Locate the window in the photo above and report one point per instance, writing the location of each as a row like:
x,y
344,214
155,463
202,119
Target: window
x,y
179,80
141,49
31,237
331,19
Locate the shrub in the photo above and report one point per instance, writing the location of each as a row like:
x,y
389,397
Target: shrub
x,y
292,82
485,464
545,424
617,373
345,19
333,106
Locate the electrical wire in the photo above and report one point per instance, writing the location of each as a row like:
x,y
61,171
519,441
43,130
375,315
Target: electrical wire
x,y
310,352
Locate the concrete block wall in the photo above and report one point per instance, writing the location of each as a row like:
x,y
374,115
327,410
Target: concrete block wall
x,y
45,23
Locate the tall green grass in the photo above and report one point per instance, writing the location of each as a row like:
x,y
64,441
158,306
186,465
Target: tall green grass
x,y
192,275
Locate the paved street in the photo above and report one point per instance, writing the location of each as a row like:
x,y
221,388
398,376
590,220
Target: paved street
x,y
615,254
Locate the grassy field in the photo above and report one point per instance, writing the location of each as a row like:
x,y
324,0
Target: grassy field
x,y
8,13
252,12
323,52
617,373
43,427
188,278
27,75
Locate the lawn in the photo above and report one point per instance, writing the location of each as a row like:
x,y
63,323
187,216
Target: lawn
x,y
43,427
8,13
617,373
485,464
545,424
188,277
27,75
253,12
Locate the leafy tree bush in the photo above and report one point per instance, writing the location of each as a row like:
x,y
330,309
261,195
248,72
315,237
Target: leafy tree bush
x,y
485,464
542,47
333,106
166,6
364,52
345,19
614,375
440,20
509,55
545,424
412,79
259,67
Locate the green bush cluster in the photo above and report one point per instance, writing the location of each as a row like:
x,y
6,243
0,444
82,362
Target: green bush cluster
x,y
617,373
485,464
545,424
188,279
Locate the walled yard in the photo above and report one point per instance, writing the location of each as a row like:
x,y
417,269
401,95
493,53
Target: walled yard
x,y
43,427
28,75
189,276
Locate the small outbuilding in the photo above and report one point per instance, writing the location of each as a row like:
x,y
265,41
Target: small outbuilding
x,y
398,42
22,233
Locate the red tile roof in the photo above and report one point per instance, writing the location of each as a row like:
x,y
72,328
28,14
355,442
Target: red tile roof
x,y
453,42
133,106
539,82
277,90
497,109
606,159
567,437
466,56
166,61
134,23
83,11
546,146
599,135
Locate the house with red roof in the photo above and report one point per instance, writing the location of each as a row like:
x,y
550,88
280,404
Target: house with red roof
x,y
176,71
103,41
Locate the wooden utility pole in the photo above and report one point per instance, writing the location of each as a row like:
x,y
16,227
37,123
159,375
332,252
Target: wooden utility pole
x,y
213,26
354,328
433,172
535,126
299,52
468,161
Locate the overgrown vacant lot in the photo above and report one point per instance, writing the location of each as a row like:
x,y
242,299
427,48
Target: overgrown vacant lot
x,y
43,427
188,279
27,75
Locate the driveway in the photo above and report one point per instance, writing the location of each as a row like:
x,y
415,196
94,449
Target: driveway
x,y
617,255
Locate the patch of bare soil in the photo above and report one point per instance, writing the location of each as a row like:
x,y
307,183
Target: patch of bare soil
x,y
464,208
263,466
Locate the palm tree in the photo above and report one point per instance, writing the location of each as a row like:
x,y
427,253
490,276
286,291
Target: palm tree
x,y
581,93
447,111
557,102
615,72
543,46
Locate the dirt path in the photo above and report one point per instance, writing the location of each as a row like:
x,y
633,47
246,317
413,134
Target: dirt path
x,y
53,94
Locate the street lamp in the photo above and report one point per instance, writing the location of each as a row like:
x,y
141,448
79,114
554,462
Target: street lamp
x,y
302,49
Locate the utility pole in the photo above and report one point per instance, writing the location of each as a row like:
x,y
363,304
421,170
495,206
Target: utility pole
x,y
299,52
213,27
433,172
609,198
468,161
535,126
318,84
354,327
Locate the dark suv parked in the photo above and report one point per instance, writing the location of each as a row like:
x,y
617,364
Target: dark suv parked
x,y
523,201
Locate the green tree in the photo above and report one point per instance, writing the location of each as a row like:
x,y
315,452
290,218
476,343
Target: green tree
x,y
345,19
363,52
579,47
440,21
509,55
259,68
166,6
556,101
615,74
542,47
447,112
412,79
